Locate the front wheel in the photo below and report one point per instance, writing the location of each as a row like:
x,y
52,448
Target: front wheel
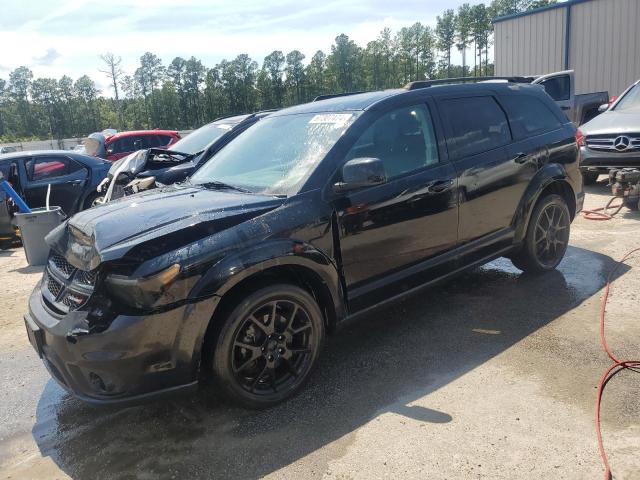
x,y
547,236
268,345
93,200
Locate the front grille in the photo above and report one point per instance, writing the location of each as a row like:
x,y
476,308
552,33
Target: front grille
x,y
53,286
65,287
61,264
628,142
86,278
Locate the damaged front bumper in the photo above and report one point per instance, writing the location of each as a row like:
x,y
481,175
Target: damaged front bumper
x,y
135,358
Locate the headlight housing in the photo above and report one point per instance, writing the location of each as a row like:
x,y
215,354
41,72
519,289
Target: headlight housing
x,y
144,292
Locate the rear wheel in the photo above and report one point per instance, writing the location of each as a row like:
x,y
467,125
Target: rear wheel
x,y
268,345
590,178
547,236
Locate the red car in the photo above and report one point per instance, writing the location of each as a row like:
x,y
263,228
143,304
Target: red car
x,y
113,146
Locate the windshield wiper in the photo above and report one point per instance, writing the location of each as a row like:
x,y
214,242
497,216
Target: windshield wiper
x,y
215,185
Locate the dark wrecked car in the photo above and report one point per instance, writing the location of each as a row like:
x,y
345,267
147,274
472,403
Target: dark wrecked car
x,y
147,169
316,213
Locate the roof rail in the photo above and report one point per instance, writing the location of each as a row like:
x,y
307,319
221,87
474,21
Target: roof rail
x,y
334,95
445,81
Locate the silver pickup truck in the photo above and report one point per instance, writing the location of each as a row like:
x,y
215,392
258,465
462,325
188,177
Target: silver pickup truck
x,y
580,108
560,86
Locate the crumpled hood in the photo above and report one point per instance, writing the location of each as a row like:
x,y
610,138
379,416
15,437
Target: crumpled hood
x,y
109,231
613,122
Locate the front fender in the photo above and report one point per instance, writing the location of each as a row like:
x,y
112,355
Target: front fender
x,y
240,265
547,175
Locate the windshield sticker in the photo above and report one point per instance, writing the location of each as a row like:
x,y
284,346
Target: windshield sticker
x,y
335,119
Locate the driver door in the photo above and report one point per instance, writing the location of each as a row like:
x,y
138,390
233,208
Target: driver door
x,y
390,232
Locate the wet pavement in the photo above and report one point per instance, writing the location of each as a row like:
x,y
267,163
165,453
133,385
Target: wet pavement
x,y
490,375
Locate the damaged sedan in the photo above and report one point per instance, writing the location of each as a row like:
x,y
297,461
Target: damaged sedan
x,y
316,213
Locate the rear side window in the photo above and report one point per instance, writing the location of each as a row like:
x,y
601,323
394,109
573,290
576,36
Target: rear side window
x,y
477,125
42,168
529,115
558,87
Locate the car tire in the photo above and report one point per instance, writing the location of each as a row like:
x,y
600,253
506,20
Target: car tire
x,y
91,200
547,236
268,345
590,178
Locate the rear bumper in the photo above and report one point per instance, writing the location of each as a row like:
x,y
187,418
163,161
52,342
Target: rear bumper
x,y
137,358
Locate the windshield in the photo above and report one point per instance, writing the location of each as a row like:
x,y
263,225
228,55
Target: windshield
x,y
277,154
631,100
198,140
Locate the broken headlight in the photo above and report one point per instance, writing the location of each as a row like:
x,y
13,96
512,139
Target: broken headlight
x,y
144,292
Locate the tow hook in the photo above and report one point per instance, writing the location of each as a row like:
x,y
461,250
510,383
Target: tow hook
x,y
73,334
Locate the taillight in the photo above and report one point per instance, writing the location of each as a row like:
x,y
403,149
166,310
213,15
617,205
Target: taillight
x,y
612,99
579,138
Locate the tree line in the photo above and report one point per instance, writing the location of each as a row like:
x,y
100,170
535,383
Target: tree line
x,y
186,94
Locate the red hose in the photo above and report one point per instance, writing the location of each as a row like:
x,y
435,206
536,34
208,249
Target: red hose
x,y
602,212
617,366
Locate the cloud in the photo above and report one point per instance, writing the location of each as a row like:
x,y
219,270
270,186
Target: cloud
x,y
48,58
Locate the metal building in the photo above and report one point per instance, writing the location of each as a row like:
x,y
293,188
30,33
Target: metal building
x,y
599,39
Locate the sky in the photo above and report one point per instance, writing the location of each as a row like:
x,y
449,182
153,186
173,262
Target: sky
x,y
58,37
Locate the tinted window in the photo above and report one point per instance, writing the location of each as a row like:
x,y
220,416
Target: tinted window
x,y
528,115
42,168
149,141
478,124
121,145
164,140
403,139
558,87
73,166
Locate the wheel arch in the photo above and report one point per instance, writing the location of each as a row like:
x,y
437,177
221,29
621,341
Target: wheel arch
x,y
550,179
302,265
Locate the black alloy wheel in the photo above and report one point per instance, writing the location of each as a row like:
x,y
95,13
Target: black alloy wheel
x,y
547,236
269,345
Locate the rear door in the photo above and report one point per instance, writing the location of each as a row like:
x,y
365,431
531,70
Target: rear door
x,y
479,142
66,176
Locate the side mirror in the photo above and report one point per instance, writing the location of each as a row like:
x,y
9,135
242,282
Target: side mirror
x,y
603,108
359,173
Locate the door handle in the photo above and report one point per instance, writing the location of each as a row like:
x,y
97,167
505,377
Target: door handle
x,y
439,186
564,107
75,182
521,158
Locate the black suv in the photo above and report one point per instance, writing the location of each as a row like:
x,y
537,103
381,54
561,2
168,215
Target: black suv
x,y
314,214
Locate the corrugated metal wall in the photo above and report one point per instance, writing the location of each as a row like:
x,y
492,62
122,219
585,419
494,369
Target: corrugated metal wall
x,y
531,44
604,44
